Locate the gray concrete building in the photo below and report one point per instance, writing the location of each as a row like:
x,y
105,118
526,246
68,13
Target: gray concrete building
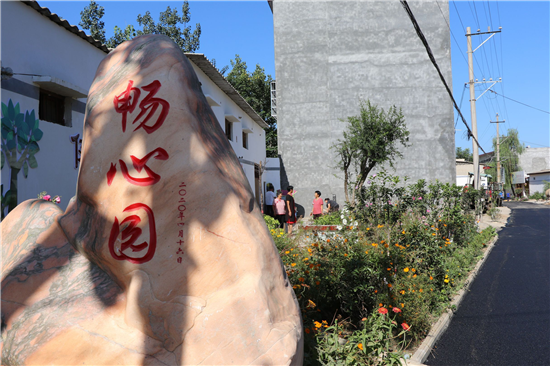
x,y
329,55
535,159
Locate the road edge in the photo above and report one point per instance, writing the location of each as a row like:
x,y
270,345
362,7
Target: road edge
x,y
444,320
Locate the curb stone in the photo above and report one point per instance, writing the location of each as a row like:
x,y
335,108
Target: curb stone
x,y
444,320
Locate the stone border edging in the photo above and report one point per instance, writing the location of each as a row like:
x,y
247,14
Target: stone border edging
x,y
444,320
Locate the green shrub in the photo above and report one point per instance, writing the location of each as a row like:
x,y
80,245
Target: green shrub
x,y
272,224
537,196
332,218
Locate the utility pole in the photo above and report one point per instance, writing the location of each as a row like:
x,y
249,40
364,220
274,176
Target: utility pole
x,y
498,149
473,108
472,83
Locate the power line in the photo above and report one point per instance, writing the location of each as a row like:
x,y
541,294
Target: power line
x,y
432,58
452,34
513,100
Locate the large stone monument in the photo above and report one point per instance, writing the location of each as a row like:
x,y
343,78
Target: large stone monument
x,y
162,257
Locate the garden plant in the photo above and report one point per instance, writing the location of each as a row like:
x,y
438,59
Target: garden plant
x,y
373,288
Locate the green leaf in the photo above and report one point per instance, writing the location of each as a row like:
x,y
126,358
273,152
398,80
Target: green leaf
x,y
23,142
4,110
33,147
29,121
17,109
37,134
32,162
22,129
10,144
11,110
5,131
25,169
6,122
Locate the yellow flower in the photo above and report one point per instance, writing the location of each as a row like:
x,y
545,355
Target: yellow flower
x,y
311,304
414,270
402,292
446,280
374,245
414,276
293,264
360,345
305,259
287,252
317,324
403,232
366,252
406,270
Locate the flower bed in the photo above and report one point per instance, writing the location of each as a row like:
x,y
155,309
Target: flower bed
x,y
410,249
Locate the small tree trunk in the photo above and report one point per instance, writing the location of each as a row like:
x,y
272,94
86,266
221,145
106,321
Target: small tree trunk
x,y
13,189
346,177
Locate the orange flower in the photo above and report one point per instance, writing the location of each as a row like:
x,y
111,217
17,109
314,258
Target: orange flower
x,y
376,291
301,279
406,269
345,240
360,345
346,254
402,292
308,331
414,270
317,283
381,304
431,278
405,326
366,252
328,240
310,265
293,264
389,285
317,324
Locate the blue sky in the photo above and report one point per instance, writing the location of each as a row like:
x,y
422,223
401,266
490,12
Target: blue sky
x,y
519,54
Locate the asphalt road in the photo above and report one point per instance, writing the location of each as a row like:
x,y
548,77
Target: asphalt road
x,y
505,318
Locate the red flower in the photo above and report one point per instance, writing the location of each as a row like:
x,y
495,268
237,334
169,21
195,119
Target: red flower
x,y
383,311
396,310
405,326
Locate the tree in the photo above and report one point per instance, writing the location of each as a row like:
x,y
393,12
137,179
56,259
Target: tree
x,y
370,139
91,20
254,87
510,150
464,154
170,24
20,136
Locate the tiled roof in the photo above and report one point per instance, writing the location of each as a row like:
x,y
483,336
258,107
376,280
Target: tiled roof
x,y
210,70
65,24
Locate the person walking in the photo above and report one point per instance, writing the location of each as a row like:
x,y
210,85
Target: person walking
x,y
269,197
317,209
279,204
290,216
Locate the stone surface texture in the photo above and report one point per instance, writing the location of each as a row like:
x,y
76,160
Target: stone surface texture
x,y
331,54
163,256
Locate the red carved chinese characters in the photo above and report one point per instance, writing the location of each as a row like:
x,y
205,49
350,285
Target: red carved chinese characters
x,y
126,103
130,235
128,229
139,164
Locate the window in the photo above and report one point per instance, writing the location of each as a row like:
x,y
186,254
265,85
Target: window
x,y
228,130
245,140
51,107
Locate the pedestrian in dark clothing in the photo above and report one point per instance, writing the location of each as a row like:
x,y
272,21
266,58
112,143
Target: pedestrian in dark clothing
x,y
290,209
332,206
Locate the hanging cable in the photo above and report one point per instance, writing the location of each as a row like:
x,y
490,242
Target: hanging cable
x,y
432,58
513,100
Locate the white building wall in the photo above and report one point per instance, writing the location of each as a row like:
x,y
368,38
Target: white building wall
x,y
45,48
255,154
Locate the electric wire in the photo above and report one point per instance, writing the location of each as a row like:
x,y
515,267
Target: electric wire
x,y
513,100
452,34
432,59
